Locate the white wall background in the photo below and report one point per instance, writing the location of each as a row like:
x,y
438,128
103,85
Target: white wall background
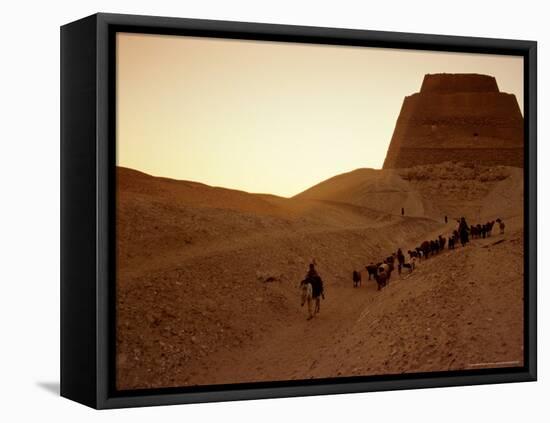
x,y
29,234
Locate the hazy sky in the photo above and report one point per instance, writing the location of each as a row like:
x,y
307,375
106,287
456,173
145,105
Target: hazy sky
x,y
270,117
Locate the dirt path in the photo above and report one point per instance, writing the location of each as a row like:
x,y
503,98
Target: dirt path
x,y
189,320
461,309
290,351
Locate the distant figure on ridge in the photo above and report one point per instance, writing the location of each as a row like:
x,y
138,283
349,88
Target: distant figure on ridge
x,y
402,211
446,219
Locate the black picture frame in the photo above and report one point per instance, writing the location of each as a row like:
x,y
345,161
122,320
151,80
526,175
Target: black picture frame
x,y
88,206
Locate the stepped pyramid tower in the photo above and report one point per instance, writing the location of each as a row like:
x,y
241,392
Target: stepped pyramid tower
x,y
461,117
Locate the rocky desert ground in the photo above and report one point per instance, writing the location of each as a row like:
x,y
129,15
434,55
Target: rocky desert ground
x,y
207,288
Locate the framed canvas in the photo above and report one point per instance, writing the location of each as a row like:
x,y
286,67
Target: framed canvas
x,y
257,211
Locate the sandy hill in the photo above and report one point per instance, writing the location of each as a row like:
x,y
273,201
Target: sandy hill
x,y
381,190
207,277
452,189
477,192
187,193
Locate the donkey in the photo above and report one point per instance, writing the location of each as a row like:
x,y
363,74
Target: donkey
x,y
372,269
356,279
307,296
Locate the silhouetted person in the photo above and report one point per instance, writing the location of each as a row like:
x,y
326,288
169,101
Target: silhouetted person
x,y
400,260
463,231
446,219
402,211
311,272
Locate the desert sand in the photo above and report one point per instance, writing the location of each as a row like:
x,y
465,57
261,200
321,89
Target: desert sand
x,y
208,278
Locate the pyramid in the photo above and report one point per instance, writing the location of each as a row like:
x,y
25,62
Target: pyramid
x,y
457,117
